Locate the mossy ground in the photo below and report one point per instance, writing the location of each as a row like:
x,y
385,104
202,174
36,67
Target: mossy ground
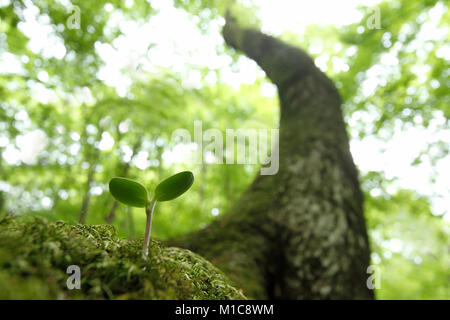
x,y
35,254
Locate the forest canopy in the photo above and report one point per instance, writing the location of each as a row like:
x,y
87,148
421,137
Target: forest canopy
x,y
90,90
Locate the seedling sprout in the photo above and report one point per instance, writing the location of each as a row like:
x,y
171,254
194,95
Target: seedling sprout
x,y
134,194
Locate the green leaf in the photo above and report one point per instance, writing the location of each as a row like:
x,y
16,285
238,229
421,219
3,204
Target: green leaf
x,y
128,192
174,186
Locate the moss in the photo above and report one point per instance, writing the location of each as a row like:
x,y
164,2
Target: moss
x,y
230,244
35,254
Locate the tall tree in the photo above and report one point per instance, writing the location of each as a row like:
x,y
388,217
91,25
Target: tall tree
x,y
301,233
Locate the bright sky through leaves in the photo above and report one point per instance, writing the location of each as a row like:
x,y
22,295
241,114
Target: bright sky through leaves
x,y
182,48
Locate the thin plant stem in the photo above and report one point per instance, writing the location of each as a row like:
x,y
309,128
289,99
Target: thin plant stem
x,y
148,226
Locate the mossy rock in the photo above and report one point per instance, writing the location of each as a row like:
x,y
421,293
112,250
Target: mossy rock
x,y
35,255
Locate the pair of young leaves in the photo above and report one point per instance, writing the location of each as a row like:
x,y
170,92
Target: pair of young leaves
x,y
134,194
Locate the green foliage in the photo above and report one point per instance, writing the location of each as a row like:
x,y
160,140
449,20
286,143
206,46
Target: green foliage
x,y
35,255
174,186
128,192
408,246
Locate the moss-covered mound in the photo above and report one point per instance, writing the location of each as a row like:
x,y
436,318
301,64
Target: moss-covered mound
x,y
35,255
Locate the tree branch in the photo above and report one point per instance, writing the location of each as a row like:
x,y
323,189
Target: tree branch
x,y
280,61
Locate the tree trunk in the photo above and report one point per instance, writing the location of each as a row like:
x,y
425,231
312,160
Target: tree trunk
x,y
299,234
87,195
126,167
92,158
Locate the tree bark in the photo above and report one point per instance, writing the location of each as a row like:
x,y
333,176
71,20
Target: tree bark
x,y
299,234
